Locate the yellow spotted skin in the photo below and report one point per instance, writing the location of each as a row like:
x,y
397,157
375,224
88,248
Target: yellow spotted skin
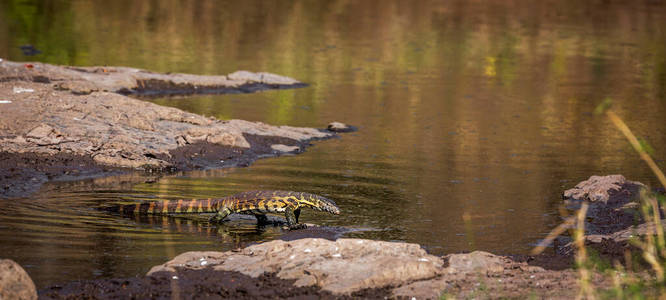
x,y
257,203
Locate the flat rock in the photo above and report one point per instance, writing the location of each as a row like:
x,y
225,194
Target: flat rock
x,y
86,80
15,282
262,77
348,266
341,267
613,190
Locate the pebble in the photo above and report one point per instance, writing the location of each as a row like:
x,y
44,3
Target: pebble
x,y
340,127
18,90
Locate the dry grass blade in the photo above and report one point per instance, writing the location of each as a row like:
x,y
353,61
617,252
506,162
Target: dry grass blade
x,y
637,145
586,290
557,231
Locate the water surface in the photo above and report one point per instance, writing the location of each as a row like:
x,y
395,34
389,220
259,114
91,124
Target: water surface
x,y
477,111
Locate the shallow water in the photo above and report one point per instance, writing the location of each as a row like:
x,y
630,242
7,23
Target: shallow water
x,y
473,118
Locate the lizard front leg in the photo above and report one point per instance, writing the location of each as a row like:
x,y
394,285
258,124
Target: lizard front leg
x,y
261,219
220,215
292,221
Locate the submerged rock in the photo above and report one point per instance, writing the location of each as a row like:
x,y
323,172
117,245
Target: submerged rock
x,y
15,282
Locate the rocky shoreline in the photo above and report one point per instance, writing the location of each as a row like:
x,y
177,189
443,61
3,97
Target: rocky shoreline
x,y
63,123
342,268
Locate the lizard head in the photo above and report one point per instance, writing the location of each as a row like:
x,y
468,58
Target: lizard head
x,y
318,203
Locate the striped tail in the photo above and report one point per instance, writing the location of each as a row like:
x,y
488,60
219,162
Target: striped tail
x,y
167,207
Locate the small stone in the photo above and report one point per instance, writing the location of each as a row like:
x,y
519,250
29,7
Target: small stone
x,y
340,127
18,90
285,149
15,282
41,131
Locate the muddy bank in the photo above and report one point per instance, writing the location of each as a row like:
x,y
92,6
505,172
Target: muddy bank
x,y
64,122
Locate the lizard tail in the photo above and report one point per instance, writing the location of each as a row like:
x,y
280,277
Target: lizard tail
x,y
166,207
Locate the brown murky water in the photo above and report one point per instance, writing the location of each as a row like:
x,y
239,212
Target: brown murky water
x,y
467,110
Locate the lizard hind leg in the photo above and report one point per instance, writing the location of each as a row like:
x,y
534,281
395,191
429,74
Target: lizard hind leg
x,y
220,215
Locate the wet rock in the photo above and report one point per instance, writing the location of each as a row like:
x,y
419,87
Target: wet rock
x,y
341,267
15,282
340,127
613,216
613,202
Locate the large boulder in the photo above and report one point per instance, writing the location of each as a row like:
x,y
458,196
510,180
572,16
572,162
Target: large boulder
x,y
15,282
341,267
